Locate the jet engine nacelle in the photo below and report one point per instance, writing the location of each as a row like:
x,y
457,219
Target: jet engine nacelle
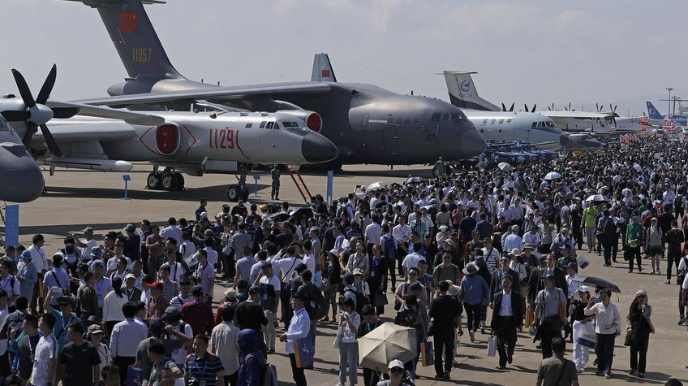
x,y
163,140
311,119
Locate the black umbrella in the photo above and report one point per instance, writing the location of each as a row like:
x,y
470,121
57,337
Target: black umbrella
x,y
596,281
415,180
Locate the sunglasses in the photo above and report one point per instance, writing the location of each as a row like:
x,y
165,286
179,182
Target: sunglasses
x,y
412,274
396,370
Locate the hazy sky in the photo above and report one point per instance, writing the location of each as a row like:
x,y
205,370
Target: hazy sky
x,y
615,51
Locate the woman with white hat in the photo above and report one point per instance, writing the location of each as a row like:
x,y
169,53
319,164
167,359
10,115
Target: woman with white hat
x,y
580,321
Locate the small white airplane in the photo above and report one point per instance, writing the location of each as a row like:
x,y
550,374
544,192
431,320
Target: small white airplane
x,y
463,94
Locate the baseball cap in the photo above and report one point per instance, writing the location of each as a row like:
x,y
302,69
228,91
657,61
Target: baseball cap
x,y
357,271
129,227
255,289
95,329
396,363
583,288
130,276
96,251
550,276
156,284
172,314
87,229
230,294
27,255
156,324
571,265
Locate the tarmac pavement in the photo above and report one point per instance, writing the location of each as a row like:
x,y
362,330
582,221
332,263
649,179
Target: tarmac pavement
x,y
77,199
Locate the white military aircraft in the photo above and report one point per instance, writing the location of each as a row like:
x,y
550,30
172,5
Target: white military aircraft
x,y
196,143
463,93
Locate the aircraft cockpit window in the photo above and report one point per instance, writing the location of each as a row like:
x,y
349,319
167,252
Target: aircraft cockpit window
x,y
269,125
457,117
446,117
3,125
534,125
436,117
248,126
262,125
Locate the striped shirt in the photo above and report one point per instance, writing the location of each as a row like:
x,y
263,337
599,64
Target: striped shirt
x,y
46,349
203,369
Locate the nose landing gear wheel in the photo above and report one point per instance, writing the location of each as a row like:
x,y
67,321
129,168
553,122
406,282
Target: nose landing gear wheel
x,y
153,181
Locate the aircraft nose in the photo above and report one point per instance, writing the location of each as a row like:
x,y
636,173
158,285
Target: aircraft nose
x,y
564,139
316,148
19,174
471,144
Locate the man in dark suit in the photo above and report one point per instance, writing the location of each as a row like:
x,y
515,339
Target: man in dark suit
x,y
445,310
506,319
503,269
536,281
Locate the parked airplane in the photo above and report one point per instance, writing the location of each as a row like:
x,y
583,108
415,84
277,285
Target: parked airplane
x,y
191,142
20,176
497,126
368,124
656,118
463,94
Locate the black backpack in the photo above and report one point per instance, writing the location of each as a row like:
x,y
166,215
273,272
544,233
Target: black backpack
x,y
609,228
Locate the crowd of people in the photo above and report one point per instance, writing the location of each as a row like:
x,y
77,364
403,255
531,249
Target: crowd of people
x,y
489,243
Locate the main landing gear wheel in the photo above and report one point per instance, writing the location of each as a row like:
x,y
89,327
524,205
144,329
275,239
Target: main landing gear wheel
x,y
153,181
167,182
237,192
178,181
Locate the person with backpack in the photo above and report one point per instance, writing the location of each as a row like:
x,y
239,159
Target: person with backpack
x,y
390,253
654,245
674,239
634,233
607,236
253,371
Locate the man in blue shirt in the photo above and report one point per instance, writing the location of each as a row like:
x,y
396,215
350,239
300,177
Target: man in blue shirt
x,y
298,329
63,317
475,292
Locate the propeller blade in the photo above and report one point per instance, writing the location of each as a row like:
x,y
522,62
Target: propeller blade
x,y
30,130
614,122
512,106
50,141
569,106
610,107
24,91
526,108
503,107
16,116
64,112
534,108
598,107
614,108
47,86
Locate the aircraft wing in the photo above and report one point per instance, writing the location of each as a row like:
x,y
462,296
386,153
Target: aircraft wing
x,y
74,130
105,112
213,93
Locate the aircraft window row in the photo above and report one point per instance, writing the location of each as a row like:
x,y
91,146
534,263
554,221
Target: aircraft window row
x,y
248,126
496,121
287,124
435,117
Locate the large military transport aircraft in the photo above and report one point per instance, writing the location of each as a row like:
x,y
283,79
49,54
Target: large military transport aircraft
x,y
367,123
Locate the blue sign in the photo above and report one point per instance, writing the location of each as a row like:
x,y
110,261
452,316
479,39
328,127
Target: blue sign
x,y
11,225
329,188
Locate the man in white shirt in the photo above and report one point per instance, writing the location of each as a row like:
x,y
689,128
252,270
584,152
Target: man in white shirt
x,y
46,354
87,243
286,266
172,231
372,233
39,260
211,253
125,339
413,259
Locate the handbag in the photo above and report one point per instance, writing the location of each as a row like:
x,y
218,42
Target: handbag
x,y
629,337
325,284
491,346
304,353
529,317
379,300
427,353
338,337
587,336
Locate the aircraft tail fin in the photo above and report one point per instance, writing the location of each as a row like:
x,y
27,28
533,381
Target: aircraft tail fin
x,y
134,37
464,94
322,71
653,112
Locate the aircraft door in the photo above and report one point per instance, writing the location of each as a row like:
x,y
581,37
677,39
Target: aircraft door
x,y
390,140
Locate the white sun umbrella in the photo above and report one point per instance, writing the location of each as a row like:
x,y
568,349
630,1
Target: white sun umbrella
x,y
550,176
378,185
505,166
596,198
385,343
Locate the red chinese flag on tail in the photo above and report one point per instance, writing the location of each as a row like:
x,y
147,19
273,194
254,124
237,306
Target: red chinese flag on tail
x,y
325,73
128,21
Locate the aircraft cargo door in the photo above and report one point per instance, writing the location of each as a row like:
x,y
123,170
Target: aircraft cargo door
x,y
390,140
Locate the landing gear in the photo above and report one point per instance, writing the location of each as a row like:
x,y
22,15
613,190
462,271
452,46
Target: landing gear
x,y
167,180
239,191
